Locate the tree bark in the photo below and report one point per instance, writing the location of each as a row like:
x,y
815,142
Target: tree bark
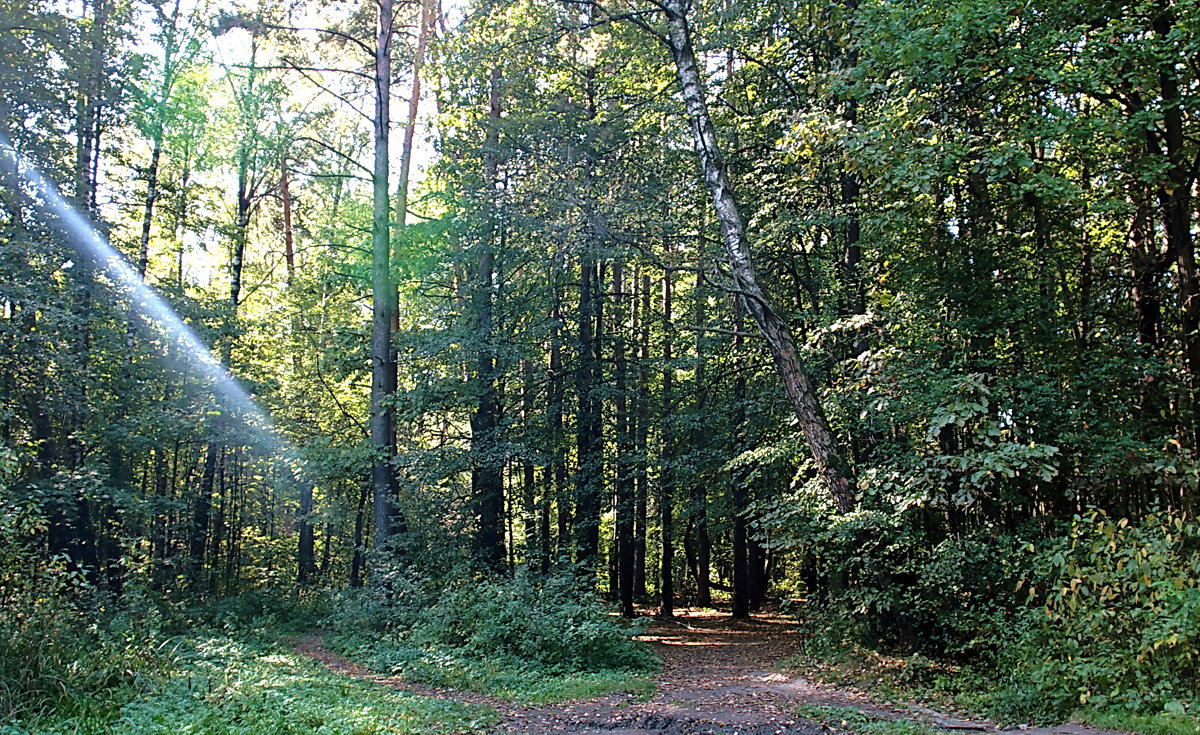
x,y
588,432
642,440
666,490
562,500
829,462
741,559
487,482
625,478
383,294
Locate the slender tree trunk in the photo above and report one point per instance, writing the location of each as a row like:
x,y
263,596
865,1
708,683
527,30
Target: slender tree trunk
x,y
201,510
1175,202
170,48
358,552
562,499
642,441
666,479
487,480
702,550
306,562
758,576
741,558
625,475
529,512
383,294
833,468
588,433
410,121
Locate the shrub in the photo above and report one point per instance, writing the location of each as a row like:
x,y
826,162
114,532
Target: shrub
x,y
61,656
1120,621
527,637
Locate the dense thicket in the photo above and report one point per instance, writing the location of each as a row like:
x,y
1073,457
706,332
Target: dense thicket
x,y
913,337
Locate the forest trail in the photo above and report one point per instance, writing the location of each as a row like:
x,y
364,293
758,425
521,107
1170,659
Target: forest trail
x,y
718,677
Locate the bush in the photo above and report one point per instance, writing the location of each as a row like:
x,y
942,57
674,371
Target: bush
x,y
62,656
1120,617
529,637
884,583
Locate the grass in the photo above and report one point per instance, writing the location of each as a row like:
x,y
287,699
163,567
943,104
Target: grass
x,y
529,639
226,686
1156,724
505,677
861,723
963,690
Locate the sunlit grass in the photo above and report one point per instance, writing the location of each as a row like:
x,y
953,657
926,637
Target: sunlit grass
x,y
223,686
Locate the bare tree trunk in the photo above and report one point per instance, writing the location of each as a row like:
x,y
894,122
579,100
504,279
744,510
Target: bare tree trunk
x,y
383,294
410,121
625,477
588,433
170,48
666,491
774,328
642,439
306,560
562,500
698,518
741,559
487,482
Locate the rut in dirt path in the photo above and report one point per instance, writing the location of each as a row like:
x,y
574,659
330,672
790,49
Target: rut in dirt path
x,y
717,678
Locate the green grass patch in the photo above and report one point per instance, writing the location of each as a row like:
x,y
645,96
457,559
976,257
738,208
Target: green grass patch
x,y
861,723
1143,724
225,686
504,677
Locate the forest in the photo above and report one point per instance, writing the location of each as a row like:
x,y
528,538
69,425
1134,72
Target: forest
x,y
546,366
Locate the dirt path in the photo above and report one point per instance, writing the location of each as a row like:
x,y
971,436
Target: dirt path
x,y
717,678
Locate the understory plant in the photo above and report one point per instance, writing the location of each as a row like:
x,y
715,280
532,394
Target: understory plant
x,y
529,637
1117,621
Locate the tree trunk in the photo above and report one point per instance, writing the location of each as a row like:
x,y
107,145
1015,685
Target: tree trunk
x,y
625,476
562,500
529,511
741,559
170,48
642,441
588,434
201,509
666,490
487,482
702,550
383,294
829,462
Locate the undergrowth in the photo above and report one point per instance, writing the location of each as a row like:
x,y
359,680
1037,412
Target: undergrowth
x,y
220,685
1102,624
527,639
70,663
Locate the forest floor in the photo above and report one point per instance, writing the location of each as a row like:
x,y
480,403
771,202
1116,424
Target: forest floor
x,y
718,676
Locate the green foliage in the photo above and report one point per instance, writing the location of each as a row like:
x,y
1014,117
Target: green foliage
x,y
878,578
1144,724
226,686
526,638
65,667
223,685
276,613
57,663
1121,614
61,654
